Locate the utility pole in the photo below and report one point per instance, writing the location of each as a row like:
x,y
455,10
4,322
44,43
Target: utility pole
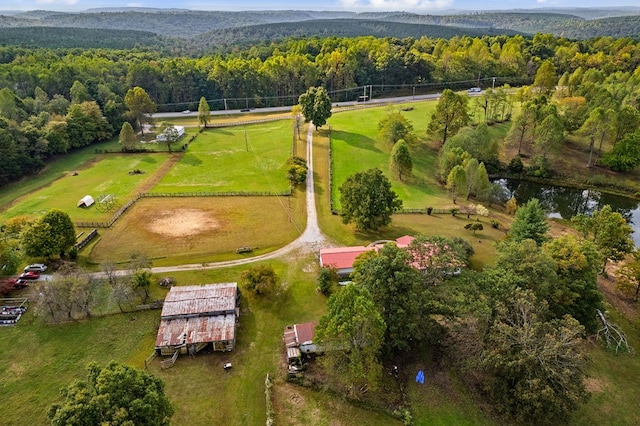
x,y
246,141
493,84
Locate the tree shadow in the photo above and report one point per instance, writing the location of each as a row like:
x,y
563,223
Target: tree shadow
x,y
190,160
355,140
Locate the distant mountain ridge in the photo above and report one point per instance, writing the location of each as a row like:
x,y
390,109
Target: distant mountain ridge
x,y
251,26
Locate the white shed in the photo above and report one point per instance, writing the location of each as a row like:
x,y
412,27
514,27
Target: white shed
x,y
86,201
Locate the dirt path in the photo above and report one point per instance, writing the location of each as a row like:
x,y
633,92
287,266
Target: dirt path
x,y
311,240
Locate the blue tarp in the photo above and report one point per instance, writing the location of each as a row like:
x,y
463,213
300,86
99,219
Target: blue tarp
x,y
420,377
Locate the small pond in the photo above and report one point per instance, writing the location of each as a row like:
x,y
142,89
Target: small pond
x,y
561,202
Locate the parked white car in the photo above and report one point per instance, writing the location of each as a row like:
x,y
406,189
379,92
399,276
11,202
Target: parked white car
x,y
36,267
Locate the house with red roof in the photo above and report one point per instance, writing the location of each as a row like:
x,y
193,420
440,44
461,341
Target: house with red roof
x,y
343,258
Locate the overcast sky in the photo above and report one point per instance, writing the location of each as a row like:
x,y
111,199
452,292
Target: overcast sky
x,y
420,6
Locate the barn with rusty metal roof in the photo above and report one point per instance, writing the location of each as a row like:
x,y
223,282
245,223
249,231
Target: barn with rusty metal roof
x,y
197,317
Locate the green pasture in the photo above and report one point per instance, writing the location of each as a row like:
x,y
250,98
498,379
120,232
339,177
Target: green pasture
x,y
240,158
55,168
106,174
357,147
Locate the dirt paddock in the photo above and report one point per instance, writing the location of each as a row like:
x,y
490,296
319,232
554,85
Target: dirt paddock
x,y
183,223
191,230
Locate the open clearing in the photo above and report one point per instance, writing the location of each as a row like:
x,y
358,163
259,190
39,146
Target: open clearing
x,y
248,158
108,174
193,229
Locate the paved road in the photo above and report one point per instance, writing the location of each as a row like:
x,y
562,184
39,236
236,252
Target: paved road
x,y
161,115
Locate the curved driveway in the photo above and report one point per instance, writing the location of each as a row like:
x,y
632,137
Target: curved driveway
x,y
311,239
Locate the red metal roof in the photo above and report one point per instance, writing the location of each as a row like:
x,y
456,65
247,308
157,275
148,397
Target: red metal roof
x,y
341,257
404,241
305,332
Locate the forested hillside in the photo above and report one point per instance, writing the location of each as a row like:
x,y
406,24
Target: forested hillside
x,y
84,38
585,23
333,28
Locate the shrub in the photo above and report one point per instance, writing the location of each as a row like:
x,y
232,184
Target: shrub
x,y
515,165
260,279
429,210
495,224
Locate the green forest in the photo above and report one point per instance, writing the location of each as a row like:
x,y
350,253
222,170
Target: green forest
x,y
54,100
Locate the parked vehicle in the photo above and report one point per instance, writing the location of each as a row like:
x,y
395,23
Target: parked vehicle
x,y
20,283
30,275
36,267
474,90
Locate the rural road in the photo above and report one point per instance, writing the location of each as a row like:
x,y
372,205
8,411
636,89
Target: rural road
x,y
311,238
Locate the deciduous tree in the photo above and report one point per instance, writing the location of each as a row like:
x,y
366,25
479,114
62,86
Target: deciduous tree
x,y
450,116
400,161
368,200
115,394
536,367
456,182
140,105
395,127
260,279
204,112
127,137
351,335
316,106
51,235
609,231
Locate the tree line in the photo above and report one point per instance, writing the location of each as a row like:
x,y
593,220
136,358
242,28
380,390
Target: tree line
x,y
54,100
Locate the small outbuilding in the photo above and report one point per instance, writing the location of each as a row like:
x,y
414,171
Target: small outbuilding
x,y
197,317
86,201
298,340
162,137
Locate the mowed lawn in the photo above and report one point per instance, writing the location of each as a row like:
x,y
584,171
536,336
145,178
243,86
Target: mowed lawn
x,y
357,147
106,174
240,158
201,229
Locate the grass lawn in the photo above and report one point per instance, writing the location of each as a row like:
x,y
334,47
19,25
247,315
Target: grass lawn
x,y
107,174
357,147
39,359
250,158
204,229
55,169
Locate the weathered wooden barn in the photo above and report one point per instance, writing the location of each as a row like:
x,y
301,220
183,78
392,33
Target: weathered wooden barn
x,y
198,317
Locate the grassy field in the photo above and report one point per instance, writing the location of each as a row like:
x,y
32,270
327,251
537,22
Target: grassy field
x,y
248,158
200,230
357,147
55,169
106,174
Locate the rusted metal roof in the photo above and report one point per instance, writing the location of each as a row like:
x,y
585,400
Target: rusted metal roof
x,y
204,329
195,300
305,332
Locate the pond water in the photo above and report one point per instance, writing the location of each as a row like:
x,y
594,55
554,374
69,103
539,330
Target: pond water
x,y
561,202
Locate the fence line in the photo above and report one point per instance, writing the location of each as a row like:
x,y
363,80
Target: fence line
x,y
244,123
217,194
149,359
86,239
135,199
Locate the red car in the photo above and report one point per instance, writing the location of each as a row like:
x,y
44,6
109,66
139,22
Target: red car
x,y
30,275
20,283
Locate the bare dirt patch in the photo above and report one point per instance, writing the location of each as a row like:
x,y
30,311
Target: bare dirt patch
x,y
594,385
183,223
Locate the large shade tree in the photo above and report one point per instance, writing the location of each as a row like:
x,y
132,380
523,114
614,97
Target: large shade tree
x,y
115,395
368,200
316,106
351,335
51,235
140,105
535,367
